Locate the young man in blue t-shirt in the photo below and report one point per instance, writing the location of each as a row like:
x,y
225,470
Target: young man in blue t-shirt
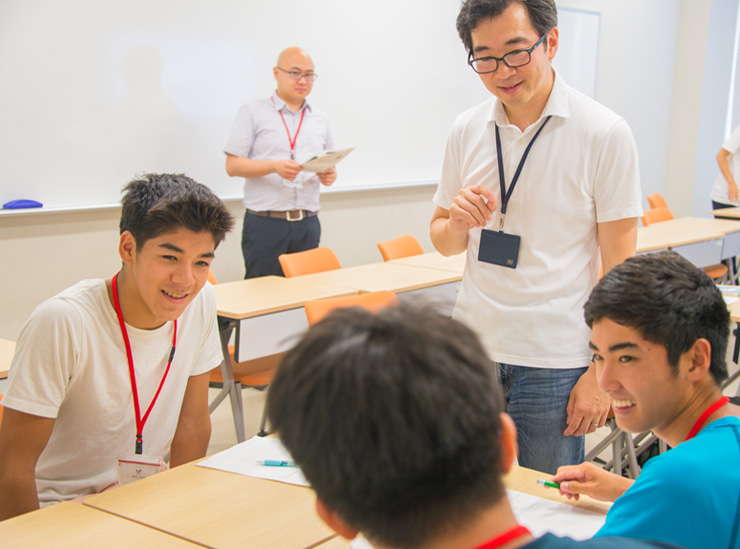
x,y
660,329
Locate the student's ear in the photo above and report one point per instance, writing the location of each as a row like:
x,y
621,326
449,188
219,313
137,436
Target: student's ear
x,y
509,447
700,359
127,247
334,521
552,39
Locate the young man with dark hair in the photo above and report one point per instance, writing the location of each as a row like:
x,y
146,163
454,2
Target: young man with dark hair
x,y
561,170
400,429
113,371
660,329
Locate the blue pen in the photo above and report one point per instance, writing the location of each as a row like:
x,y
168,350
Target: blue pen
x,y
277,463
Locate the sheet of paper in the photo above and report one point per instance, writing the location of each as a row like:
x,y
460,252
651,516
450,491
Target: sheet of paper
x,y
543,515
322,161
245,459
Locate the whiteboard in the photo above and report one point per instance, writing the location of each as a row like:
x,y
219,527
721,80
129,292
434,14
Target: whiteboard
x,y
94,92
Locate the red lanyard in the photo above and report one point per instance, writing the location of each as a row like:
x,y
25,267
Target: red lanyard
x,y
510,535
708,412
293,139
140,421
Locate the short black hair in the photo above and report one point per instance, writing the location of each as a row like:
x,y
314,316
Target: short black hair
x,y
542,13
668,301
155,204
395,419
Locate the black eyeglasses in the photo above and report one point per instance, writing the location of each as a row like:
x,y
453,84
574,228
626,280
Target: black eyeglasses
x,y
295,75
513,59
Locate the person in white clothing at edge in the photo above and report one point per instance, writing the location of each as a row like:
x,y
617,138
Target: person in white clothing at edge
x,y
724,192
268,138
115,371
537,218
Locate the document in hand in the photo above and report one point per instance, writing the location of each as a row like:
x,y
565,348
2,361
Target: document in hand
x,y
322,161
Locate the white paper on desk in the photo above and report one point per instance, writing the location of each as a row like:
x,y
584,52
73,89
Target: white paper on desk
x,y
322,161
244,457
729,300
543,515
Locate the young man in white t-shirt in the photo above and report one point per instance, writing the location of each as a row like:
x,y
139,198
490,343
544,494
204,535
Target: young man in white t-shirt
x,y
115,371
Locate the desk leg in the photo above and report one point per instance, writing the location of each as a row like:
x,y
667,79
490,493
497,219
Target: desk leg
x,y
233,387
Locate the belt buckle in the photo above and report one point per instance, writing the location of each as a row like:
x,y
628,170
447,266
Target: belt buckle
x,y
289,218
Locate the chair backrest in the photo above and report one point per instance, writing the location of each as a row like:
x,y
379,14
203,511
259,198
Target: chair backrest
x,y
403,246
656,215
311,261
212,277
372,301
656,200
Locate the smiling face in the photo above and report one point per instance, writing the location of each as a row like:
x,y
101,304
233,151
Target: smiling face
x,y
523,90
647,393
162,277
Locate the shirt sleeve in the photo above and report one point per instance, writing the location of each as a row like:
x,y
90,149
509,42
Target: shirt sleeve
x,y
45,361
617,191
241,138
450,181
733,142
211,354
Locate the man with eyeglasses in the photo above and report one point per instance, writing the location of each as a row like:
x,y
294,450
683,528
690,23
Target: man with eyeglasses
x,y
540,185
268,139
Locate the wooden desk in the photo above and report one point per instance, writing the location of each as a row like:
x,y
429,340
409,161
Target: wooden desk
x,y
219,509
435,260
7,349
520,479
727,213
74,525
389,275
693,238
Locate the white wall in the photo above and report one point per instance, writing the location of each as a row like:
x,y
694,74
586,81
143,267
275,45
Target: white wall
x,y
651,62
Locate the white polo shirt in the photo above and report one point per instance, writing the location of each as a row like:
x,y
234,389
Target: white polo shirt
x,y
258,133
721,189
582,170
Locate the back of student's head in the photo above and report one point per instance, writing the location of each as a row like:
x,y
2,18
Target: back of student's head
x,y
668,301
394,418
156,204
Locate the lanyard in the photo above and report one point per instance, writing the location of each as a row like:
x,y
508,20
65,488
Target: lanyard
x,y
291,140
140,421
505,196
510,535
708,412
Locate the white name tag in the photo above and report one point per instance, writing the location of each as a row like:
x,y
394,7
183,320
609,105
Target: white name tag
x,y
136,467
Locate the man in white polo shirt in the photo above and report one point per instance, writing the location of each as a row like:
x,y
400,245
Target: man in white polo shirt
x,y
268,139
561,196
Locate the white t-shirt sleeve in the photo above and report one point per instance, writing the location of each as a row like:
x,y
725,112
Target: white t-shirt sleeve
x,y
210,355
47,354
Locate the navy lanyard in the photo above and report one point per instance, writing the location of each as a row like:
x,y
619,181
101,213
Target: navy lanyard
x,y
505,196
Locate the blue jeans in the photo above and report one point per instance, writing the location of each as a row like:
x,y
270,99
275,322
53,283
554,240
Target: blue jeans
x,y
537,399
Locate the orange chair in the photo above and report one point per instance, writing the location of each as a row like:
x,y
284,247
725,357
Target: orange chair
x,y
656,200
397,248
656,215
257,373
1,409
372,301
311,261
662,213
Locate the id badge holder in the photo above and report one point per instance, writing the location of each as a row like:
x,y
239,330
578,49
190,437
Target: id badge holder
x,y
499,248
135,467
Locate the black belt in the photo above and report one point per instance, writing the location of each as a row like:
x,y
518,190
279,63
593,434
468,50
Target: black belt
x,y
288,215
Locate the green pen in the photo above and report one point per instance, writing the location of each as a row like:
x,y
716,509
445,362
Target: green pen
x,y
548,483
